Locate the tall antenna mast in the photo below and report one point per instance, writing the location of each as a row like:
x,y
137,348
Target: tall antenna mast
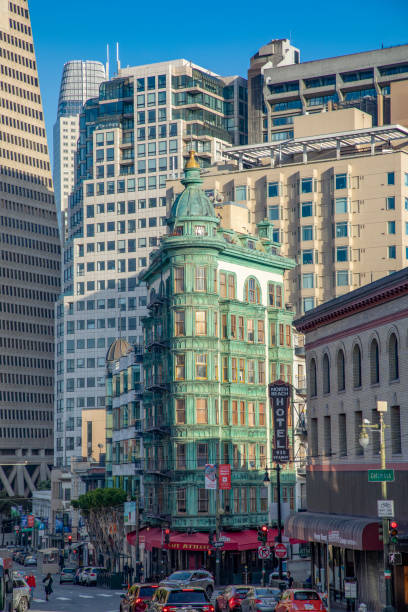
x,y
107,62
117,57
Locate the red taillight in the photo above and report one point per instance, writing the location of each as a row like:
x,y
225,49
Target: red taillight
x,y
234,601
169,609
208,608
139,600
258,600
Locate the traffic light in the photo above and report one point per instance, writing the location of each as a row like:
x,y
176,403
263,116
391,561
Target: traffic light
x,y
380,533
393,532
69,539
167,536
211,538
263,534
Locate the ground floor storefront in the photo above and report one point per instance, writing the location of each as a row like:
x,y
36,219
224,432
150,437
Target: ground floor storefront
x,y
239,560
347,559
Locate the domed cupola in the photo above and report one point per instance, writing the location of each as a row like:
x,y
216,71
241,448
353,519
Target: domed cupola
x,y
192,205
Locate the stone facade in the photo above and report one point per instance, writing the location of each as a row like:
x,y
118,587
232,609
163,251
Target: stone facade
x,y
355,354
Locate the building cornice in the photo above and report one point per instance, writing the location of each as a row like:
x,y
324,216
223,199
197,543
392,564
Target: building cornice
x,y
384,290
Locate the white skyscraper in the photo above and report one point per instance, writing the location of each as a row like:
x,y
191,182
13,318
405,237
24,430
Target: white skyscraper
x,y
132,138
80,81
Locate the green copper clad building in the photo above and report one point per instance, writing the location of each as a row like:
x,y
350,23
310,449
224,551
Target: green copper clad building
x,y
218,332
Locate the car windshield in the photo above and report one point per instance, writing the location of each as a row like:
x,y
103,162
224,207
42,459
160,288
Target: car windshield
x,y
69,570
241,593
146,591
305,595
182,597
267,592
180,576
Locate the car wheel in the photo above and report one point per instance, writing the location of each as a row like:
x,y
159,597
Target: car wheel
x,y
23,605
209,591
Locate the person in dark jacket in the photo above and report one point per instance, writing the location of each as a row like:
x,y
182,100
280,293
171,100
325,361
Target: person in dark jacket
x,y
48,585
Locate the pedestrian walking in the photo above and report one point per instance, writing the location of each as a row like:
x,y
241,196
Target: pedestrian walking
x,y
289,579
48,585
31,583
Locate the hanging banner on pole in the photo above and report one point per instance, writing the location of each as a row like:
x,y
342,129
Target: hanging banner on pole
x,y
224,476
210,476
279,393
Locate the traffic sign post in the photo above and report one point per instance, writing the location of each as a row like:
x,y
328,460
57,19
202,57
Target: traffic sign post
x,y
264,552
280,551
385,508
381,476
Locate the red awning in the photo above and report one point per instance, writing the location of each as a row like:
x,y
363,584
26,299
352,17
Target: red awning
x,y
247,539
355,532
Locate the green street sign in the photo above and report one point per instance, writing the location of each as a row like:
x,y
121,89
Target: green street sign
x,y
380,475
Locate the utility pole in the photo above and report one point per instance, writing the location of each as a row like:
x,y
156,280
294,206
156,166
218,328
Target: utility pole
x,y
137,556
217,536
278,491
364,441
381,408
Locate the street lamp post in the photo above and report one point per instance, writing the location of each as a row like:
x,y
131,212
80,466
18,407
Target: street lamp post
x,y
279,508
364,441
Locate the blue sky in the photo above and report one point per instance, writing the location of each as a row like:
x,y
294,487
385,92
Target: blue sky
x,y
217,35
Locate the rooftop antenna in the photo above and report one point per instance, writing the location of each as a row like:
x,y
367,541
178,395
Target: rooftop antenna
x,y
107,62
117,57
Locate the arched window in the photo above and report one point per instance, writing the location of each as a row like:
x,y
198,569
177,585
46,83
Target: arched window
x,y
374,362
341,371
393,360
326,374
313,377
252,291
356,366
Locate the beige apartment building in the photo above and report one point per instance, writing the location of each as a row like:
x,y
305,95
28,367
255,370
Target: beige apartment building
x,y
337,194
29,263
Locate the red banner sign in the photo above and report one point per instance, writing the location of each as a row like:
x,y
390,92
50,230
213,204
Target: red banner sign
x,y
224,476
30,520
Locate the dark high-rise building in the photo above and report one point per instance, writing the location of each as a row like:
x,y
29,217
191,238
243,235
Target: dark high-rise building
x,y
29,263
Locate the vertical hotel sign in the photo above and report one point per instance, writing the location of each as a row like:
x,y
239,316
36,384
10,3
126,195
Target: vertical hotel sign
x,y
279,393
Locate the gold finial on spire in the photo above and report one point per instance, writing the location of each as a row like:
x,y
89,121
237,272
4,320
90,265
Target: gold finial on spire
x,y
192,161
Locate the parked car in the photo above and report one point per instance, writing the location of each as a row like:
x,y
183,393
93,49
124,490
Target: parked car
x,y
168,599
137,598
275,576
300,600
21,593
30,560
260,599
90,578
187,579
67,574
82,574
231,597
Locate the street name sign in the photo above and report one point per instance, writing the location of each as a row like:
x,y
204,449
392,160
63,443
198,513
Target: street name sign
x,y
218,544
380,475
385,508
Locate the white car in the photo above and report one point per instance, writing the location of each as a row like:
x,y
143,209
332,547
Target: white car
x,y
21,593
82,574
91,577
